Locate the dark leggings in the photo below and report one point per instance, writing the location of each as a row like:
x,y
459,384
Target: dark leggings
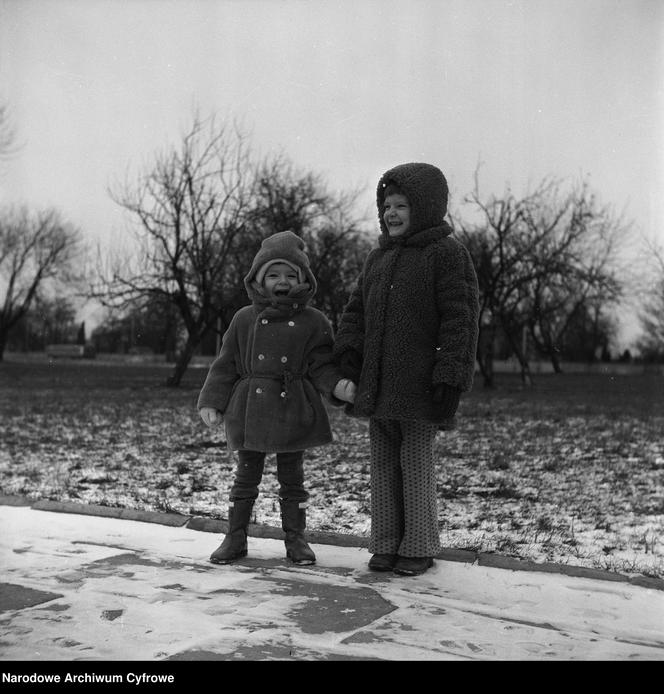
x,y
249,472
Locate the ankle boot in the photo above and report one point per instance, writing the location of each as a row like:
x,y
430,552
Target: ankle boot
x,y
294,523
234,545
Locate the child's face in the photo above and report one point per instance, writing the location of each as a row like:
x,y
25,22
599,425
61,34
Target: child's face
x,y
396,214
280,279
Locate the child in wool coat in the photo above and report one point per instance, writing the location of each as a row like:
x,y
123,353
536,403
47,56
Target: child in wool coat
x,y
408,338
265,385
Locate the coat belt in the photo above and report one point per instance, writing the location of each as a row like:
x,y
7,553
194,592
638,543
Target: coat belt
x,y
285,377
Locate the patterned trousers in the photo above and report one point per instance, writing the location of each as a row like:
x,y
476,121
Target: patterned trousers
x,y
404,507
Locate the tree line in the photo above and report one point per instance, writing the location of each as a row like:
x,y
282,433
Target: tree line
x,y
548,263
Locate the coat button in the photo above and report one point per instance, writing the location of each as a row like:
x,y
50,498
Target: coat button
x,y
284,360
259,390
261,357
290,322
283,395
264,321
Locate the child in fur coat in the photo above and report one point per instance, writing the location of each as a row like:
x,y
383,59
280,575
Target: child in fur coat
x,y
408,338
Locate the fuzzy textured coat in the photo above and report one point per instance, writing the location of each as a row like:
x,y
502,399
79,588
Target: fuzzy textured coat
x,y
413,316
275,362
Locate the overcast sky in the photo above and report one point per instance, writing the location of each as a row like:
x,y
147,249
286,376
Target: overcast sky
x,y
531,88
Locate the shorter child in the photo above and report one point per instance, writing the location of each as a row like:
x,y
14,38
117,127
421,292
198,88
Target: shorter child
x,y
265,385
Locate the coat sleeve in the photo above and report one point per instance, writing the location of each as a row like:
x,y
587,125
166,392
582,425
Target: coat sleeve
x,y
350,334
223,373
321,367
457,300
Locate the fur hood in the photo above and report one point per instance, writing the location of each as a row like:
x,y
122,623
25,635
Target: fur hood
x,y
425,187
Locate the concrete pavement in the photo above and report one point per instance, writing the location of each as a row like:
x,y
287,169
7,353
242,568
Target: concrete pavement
x,y
80,587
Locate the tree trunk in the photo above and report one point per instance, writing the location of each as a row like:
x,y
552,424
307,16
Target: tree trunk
x,y
181,363
526,375
485,355
555,362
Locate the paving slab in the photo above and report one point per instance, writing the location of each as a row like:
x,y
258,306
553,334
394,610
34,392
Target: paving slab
x,y
87,588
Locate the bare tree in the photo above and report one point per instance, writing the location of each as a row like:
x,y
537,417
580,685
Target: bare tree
x,y
578,256
500,244
200,212
35,250
189,212
541,260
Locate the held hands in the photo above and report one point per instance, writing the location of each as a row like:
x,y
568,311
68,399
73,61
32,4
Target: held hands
x,y
211,417
345,390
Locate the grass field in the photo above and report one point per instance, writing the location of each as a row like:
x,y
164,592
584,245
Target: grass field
x,y
570,471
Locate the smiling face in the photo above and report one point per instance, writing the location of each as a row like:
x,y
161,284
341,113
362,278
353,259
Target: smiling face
x,y
396,214
279,279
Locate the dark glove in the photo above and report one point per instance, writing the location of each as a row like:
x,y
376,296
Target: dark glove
x,y
350,364
446,399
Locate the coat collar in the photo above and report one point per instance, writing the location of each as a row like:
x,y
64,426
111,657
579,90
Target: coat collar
x,y
418,239
282,306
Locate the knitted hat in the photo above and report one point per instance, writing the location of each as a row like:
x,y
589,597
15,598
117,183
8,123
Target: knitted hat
x,y
426,189
282,247
262,270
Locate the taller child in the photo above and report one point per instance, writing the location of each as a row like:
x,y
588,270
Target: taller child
x,y
266,385
408,338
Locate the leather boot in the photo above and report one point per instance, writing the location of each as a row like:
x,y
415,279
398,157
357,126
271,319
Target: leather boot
x,y
234,545
294,523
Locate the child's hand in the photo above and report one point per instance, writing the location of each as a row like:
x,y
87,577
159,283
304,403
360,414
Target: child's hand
x,y
211,417
345,390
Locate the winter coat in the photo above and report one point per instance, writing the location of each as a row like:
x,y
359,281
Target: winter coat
x,y
413,316
275,361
